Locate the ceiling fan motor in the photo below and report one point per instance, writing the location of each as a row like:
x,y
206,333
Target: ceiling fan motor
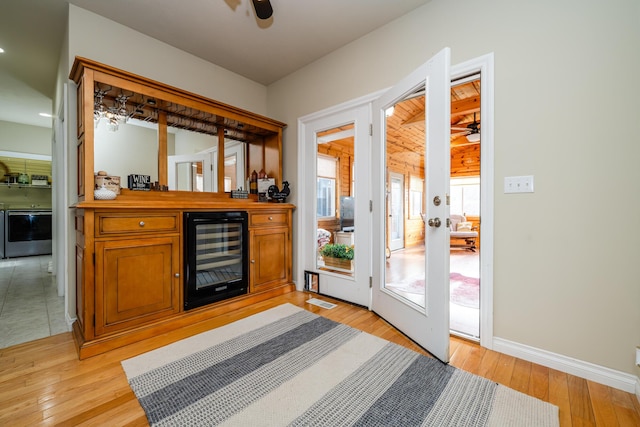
x,y
263,8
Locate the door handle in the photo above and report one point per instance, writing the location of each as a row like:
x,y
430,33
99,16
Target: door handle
x,y
434,222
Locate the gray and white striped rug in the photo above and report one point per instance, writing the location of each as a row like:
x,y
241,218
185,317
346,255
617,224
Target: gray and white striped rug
x,y
289,367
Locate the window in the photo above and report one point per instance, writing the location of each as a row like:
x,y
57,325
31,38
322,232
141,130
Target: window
x,y
465,196
326,187
416,190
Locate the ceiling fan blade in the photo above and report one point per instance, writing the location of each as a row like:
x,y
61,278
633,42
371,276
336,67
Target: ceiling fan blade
x,y
263,8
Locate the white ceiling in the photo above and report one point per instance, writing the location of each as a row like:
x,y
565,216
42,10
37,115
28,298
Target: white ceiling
x,y
224,32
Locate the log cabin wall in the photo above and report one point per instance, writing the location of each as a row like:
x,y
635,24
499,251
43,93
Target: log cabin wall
x,y
409,166
344,152
465,162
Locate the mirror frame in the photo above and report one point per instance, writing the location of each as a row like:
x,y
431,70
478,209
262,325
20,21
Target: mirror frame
x,y
263,150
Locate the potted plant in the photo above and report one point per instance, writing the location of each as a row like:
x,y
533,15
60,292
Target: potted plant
x,y
337,255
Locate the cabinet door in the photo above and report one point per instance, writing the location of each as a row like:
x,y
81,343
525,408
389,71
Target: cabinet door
x,y
270,258
136,282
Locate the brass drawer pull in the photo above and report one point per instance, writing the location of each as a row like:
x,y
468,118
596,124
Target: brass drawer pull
x,y
270,218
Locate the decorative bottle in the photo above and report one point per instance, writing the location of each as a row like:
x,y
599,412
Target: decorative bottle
x,y
253,183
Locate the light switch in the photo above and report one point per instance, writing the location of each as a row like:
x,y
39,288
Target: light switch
x,y
518,184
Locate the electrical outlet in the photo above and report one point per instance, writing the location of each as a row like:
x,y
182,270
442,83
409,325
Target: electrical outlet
x,y
638,355
518,184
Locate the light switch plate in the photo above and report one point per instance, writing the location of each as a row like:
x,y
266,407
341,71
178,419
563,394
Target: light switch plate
x,y
518,184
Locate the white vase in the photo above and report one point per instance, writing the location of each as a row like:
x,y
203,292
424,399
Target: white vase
x,y
104,194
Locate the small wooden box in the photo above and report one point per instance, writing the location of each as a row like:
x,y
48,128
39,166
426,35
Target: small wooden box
x,y
110,183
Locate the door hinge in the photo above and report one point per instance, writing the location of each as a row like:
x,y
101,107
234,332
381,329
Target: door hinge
x,y
370,129
370,205
370,282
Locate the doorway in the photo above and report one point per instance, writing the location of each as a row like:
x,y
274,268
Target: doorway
x,y
465,195
307,240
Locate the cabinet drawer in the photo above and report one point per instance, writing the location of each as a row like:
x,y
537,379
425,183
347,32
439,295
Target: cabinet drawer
x,y
268,219
110,224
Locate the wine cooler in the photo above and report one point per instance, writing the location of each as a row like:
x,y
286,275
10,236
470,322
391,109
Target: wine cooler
x,y
216,255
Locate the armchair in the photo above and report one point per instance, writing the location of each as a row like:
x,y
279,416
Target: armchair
x,y
463,234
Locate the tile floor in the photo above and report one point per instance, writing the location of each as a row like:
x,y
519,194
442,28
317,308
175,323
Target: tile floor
x,y
30,307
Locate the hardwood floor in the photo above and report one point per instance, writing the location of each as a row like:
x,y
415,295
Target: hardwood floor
x,y
44,383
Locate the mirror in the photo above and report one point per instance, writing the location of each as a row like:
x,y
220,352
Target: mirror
x,y
198,171
128,127
115,154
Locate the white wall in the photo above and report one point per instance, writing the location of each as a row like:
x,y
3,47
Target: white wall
x,y
130,150
97,38
566,103
22,138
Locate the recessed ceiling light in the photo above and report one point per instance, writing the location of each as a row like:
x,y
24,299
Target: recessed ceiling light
x,y
46,115
1,50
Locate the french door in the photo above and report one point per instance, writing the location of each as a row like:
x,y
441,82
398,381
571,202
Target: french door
x,y
423,313
336,159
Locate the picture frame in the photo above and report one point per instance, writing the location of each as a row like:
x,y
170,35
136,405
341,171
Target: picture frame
x,y
311,281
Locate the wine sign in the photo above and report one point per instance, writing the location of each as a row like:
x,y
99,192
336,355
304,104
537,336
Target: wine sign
x,y
139,182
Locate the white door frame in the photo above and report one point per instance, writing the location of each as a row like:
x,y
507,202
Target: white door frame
x,y
395,244
484,66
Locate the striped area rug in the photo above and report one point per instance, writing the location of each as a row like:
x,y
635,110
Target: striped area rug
x,y
289,367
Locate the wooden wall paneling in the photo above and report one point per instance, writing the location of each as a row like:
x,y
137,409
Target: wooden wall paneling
x,y
163,177
465,160
345,155
80,109
273,158
255,158
220,166
345,163
85,152
80,170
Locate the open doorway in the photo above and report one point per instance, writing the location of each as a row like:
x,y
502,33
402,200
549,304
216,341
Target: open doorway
x,y
465,207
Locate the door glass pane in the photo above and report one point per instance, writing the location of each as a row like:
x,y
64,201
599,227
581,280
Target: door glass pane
x,y
405,163
218,254
335,200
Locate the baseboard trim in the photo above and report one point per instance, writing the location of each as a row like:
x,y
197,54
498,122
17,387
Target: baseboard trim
x,y
600,374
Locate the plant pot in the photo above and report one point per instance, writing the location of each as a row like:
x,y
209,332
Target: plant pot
x,y
341,263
